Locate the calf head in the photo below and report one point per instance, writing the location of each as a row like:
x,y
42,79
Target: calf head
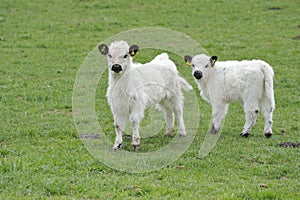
x,y
119,55
201,65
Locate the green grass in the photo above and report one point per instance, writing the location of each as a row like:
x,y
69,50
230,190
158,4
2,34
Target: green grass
x,y
42,45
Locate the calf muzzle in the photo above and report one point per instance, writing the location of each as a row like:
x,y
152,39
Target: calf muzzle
x,y
116,68
198,74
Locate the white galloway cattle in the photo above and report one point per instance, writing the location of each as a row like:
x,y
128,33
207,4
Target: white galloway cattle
x,y
163,59
132,89
249,82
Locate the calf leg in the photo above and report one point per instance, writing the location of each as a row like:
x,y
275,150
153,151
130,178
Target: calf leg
x,y
135,118
169,117
219,110
136,139
251,112
177,102
267,111
120,125
180,122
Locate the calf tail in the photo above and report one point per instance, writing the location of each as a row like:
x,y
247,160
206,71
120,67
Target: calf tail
x,y
184,84
269,91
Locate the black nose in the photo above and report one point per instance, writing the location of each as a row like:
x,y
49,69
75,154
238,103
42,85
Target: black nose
x,y
116,68
198,74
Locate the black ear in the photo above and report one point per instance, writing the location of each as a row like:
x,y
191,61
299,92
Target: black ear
x,y
188,60
213,60
103,48
133,49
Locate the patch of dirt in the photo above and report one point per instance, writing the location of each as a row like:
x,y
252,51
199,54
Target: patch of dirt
x,y
289,144
275,8
92,136
296,37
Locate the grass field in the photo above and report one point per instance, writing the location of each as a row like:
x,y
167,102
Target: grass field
x,y
42,46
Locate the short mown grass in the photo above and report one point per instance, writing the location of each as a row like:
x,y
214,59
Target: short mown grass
x,y
42,45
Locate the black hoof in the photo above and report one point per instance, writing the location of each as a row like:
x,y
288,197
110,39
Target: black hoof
x,y
168,135
119,147
182,135
268,135
213,130
136,147
245,135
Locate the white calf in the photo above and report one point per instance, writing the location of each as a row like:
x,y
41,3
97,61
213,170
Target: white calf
x,y
250,82
133,89
163,59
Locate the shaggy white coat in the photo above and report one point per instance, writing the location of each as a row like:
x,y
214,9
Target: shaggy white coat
x,y
249,82
138,86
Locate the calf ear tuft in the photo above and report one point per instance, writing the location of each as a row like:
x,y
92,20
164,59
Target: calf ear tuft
x,y
103,48
188,60
133,49
213,60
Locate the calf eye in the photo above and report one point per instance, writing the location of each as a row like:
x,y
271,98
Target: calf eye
x,y
193,65
126,56
109,56
206,66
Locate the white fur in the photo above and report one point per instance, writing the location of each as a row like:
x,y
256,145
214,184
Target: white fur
x,y
249,82
137,87
163,59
